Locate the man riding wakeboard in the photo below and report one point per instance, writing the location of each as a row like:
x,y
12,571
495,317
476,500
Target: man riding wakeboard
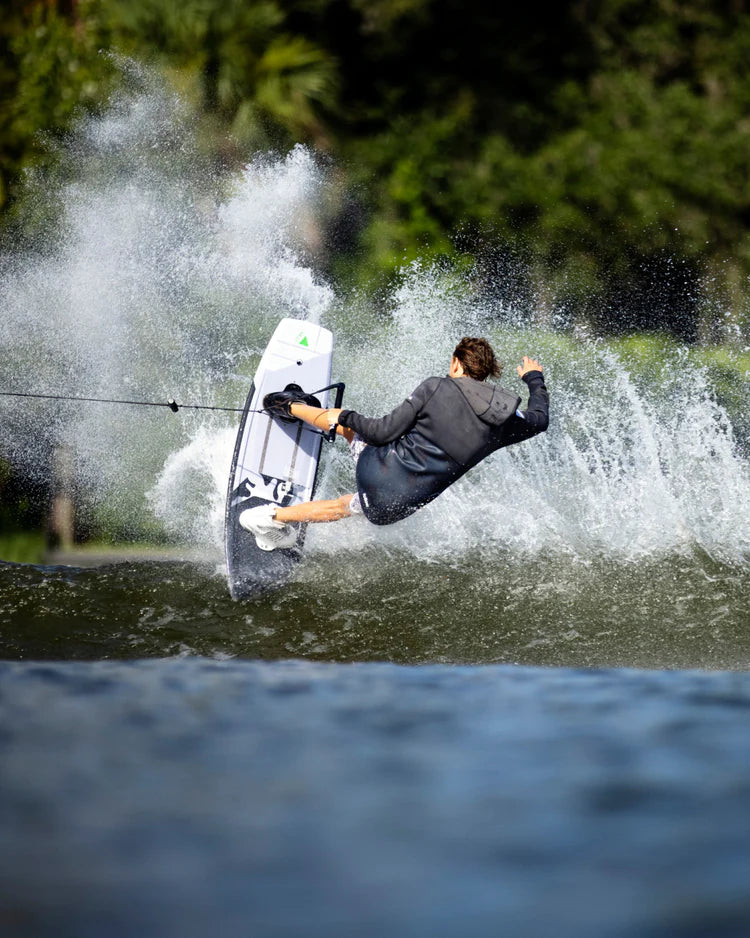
x,y
407,458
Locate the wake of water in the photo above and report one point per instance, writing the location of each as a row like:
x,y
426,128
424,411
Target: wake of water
x,y
167,280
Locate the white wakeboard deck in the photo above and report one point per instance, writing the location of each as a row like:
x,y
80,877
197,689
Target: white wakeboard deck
x,y
275,462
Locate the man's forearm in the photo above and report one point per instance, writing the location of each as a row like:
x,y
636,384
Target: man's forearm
x,y
381,430
537,412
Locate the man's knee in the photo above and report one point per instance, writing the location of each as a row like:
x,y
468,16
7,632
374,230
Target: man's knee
x,y
345,504
353,504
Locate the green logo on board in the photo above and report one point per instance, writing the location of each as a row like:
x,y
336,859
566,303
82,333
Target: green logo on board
x,y
302,340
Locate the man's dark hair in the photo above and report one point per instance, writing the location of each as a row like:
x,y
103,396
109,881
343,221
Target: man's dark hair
x,y
477,358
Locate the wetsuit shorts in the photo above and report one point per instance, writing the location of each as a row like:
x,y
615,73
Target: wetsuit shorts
x,y
356,447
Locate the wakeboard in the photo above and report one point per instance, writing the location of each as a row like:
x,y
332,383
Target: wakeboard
x,y
276,462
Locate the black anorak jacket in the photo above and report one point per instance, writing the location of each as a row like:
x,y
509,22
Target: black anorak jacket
x,y
444,428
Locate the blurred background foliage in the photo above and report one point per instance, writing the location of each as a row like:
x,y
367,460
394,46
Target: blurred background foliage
x,y
603,145
588,162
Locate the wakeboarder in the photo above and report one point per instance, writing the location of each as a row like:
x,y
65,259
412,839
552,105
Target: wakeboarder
x,y
407,458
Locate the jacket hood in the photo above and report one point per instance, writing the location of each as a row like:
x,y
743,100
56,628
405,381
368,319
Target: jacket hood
x,y
491,403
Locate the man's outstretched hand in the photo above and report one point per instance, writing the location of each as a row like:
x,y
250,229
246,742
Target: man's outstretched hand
x,y
529,364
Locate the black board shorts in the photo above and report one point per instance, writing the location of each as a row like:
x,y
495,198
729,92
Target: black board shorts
x,y
383,496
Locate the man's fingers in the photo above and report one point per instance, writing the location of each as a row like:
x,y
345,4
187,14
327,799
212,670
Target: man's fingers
x,y
529,364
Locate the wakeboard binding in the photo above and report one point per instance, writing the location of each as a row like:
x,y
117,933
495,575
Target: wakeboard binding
x,y
278,403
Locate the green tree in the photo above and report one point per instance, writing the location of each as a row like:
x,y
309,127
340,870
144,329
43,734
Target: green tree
x,y
603,141
610,148
250,72
50,70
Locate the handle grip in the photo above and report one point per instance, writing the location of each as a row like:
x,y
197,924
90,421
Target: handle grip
x,y
339,385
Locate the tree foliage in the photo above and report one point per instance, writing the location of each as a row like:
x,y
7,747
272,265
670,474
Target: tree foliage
x,y
50,69
248,66
605,142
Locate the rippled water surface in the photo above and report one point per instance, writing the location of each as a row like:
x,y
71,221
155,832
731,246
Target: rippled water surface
x,y
438,728
665,613
364,787
194,797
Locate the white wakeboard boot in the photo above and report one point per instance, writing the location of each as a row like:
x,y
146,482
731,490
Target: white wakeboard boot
x,y
269,533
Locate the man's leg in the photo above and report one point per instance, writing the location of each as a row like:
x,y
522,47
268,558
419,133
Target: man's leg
x,y
333,509
321,418
271,525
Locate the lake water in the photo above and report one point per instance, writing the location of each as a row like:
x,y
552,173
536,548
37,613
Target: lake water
x,y
521,712
369,605
197,789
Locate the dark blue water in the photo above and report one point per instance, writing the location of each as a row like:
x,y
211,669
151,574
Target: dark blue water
x,y
199,797
404,741
374,750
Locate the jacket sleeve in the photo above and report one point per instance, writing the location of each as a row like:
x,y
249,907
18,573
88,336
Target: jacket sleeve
x,y
381,430
535,419
537,412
